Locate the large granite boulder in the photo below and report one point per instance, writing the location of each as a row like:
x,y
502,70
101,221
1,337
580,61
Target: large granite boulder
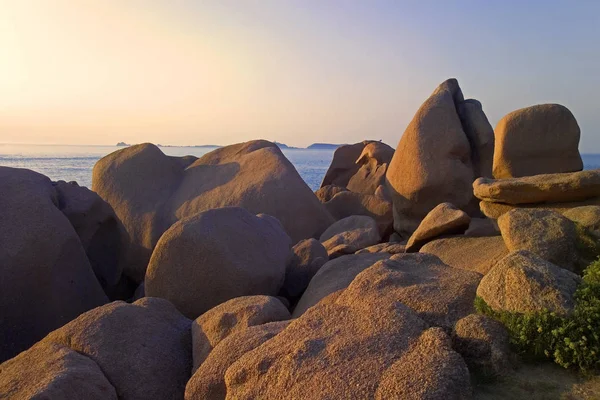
x,y
217,255
542,139
545,188
547,234
353,346
150,191
434,160
360,167
524,283
45,278
335,275
444,219
234,315
308,256
98,228
208,382
52,371
143,349
477,254
377,206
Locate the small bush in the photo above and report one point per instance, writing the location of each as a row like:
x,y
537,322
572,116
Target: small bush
x,y
570,341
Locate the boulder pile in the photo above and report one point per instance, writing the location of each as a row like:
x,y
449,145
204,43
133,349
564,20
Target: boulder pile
x,y
405,276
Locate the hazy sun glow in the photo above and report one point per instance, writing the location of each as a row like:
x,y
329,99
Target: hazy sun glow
x,y
189,72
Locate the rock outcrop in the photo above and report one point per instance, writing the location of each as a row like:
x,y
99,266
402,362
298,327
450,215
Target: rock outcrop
x,y
349,235
150,191
444,219
215,256
230,317
524,283
359,167
542,139
308,256
46,279
444,148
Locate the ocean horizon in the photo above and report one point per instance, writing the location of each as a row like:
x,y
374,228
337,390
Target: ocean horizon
x,y
75,162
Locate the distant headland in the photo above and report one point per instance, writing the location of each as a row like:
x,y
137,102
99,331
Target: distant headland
x,y
314,146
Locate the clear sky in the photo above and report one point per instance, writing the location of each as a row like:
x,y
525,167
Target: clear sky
x,y
225,71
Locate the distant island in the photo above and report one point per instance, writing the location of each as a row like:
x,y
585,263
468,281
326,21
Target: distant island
x,y
324,146
123,144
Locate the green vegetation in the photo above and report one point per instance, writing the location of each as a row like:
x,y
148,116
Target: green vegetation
x,y
570,341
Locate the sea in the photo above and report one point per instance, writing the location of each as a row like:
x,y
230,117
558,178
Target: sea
x,y
75,163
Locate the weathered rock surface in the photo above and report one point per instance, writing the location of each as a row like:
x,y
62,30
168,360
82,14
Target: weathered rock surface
x,y
335,275
481,136
496,210
150,191
479,227
350,234
484,344
545,188
352,347
308,256
346,204
233,316
326,193
541,139
434,160
133,344
389,247
98,229
438,293
431,369
477,254
444,219
525,283
360,167
587,216
215,256
52,371
208,382
545,233
46,279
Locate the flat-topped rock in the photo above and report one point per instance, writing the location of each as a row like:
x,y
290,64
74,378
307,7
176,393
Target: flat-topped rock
x,y
545,188
496,210
542,139
444,219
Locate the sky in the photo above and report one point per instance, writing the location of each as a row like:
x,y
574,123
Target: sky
x,y
188,72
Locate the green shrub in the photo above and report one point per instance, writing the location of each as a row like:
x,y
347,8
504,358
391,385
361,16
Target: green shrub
x,y
571,341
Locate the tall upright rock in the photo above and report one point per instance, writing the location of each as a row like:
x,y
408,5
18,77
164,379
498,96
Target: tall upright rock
x,y
446,146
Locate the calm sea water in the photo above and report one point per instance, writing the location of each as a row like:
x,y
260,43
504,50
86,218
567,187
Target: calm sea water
x,y
75,163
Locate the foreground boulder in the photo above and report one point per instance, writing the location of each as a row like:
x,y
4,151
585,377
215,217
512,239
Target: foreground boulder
x,y
545,233
477,254
52,371
484,344
233,316
46,279
349,235
308,256
541,139
133,344
444,219
359,167
150,191
208,382
356,346
524,283
98,228
434,160
545,188
217,255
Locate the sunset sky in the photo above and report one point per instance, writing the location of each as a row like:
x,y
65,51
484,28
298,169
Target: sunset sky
x,y
225,71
